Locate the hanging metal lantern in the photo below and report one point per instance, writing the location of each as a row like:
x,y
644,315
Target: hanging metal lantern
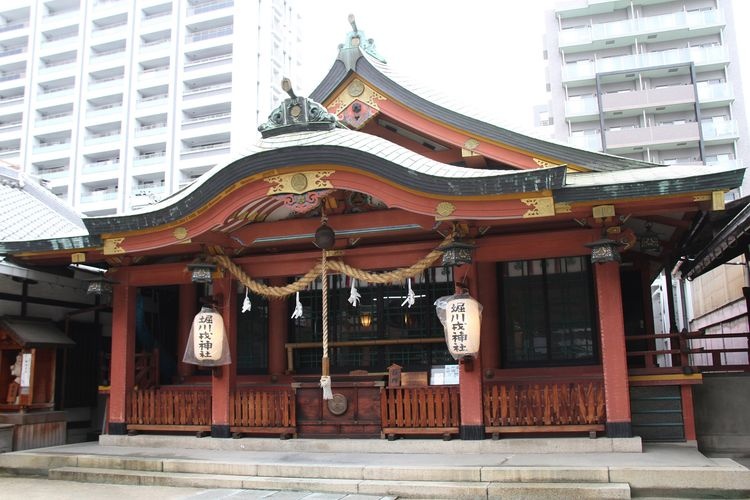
x,y
604,250
201,270
649,241
457,253
100,286
325,237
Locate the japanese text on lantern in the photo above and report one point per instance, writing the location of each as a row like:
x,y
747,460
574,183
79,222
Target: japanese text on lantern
x,y
205,335
458,322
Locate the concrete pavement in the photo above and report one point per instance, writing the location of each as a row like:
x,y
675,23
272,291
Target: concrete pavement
x,y
359,469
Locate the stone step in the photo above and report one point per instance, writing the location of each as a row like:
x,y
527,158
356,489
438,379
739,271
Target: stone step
x,y
40,463
393,488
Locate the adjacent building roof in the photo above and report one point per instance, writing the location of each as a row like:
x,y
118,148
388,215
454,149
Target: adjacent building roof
x,y
33,332
31,212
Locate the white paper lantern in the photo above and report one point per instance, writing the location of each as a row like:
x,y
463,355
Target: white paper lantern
x,y
208,335
462,323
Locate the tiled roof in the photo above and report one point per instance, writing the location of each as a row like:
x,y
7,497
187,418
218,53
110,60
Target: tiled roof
x,y
31,212
425,100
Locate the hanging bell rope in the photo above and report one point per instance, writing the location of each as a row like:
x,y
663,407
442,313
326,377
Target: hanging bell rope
x,y
325,375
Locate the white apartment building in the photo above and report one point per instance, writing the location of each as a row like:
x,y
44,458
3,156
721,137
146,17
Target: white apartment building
x,y
115,104
655,80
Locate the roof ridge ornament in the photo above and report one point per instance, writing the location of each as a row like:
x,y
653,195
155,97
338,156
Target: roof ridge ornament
x,y
296,114
356,44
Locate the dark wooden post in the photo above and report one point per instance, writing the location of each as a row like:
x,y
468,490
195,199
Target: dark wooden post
x,y
277,332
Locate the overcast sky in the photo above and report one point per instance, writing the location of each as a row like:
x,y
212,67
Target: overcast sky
x,y
488,52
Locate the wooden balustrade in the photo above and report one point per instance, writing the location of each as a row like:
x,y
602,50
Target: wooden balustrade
x,y
147,369
170,409
257,411
419,410
680,356
516,407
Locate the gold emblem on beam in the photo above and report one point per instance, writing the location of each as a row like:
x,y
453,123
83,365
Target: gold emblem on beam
x,y
299,182
180,233
541,207
445,209
357,89
717,200
112,246
563,208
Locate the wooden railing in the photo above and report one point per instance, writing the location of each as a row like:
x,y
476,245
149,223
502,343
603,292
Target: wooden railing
x,y
258,411
419,410
689,352
514,407
170,409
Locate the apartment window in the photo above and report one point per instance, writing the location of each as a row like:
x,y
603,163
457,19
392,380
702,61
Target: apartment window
x,y
548,310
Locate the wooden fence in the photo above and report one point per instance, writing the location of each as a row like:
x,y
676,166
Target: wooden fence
x,y
255,411
170,409
419,410
516,407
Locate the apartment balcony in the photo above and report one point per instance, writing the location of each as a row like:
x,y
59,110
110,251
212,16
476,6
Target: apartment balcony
x,y
209,34
108,32
153,47
10,129
205,7
12,104
655,137
218,149
13,31
153,76
150,158
156,20
108,57
14,55
592,142
677,25
581,108
54,177
666,97
715,94
52,146
59,19
151,130
149,194
53,120
10,155
103,138
59,69
207,91
584,72
104,166
105,111
61,94
207,63
105,198
8,80
105,86
720,131
59,45
206,121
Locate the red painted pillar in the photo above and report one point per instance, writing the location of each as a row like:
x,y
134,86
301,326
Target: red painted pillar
x,y
688,413
187,309
614,360
122,369
470,372
277,332
223,377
